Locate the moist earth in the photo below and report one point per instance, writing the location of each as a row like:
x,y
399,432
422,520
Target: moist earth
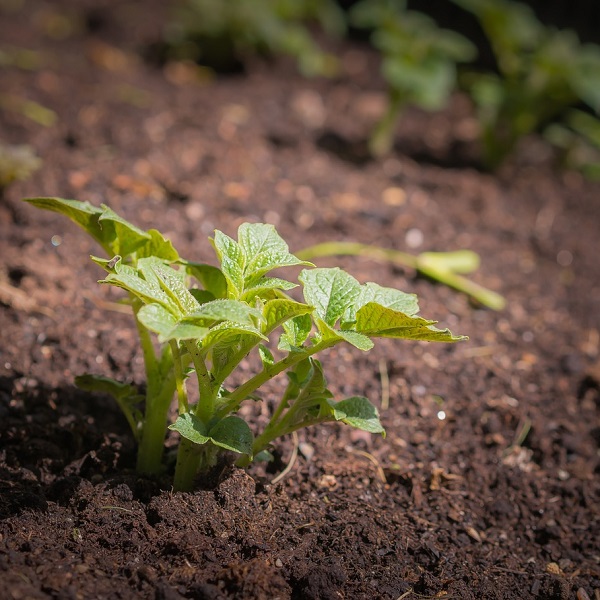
x,y
487,484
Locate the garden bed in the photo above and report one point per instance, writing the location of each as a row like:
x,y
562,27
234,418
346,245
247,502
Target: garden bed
x,y
487,483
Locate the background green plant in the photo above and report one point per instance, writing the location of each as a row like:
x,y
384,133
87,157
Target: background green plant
x,y
224,32
418,61
542,72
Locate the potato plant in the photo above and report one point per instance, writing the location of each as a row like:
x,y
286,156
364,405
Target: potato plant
x,y
418,61
542,73
221,33
207,319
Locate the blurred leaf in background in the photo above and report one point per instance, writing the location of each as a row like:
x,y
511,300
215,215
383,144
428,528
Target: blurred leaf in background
x,y
223,33
418,61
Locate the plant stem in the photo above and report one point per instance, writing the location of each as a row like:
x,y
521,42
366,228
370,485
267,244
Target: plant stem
x,y
188,462
150,362
382,137
268,372
183,406
192,460
150,450
206,403
159,392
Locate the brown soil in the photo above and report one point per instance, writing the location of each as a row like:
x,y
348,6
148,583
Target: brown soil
x,y
461,507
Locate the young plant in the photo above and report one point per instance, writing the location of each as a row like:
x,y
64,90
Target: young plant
x,y
541,73
221,33
418,61
207,319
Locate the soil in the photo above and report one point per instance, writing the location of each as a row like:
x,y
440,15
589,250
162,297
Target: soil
x,y
487,485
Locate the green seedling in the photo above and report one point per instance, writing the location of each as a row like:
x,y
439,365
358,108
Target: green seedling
x,y
222,33
418,61
541,73
207,319
447,268
17,163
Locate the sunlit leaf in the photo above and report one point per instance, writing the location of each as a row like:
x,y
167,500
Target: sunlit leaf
x,y
126,237
233,262
225,310
330,291
159,320
357,412
264,250
277,312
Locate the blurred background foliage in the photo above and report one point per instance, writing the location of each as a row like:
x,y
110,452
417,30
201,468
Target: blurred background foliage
x,y
527,67
523,71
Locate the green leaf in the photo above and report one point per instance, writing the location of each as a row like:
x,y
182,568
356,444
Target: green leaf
x,y
375,320
171,281
296,332
264,456
227,333
264,251
330,291
357,412
389,297
232,433
315,385
424,334
112,265
158,246
225,310
277,312
356,339
266,356
158,319
107,385
191,428
130,280
127,237
202,296
211,278
300,376
83,214
266,288
232,262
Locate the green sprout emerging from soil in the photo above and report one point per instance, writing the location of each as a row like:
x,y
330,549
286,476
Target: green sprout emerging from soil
x,y
207,319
